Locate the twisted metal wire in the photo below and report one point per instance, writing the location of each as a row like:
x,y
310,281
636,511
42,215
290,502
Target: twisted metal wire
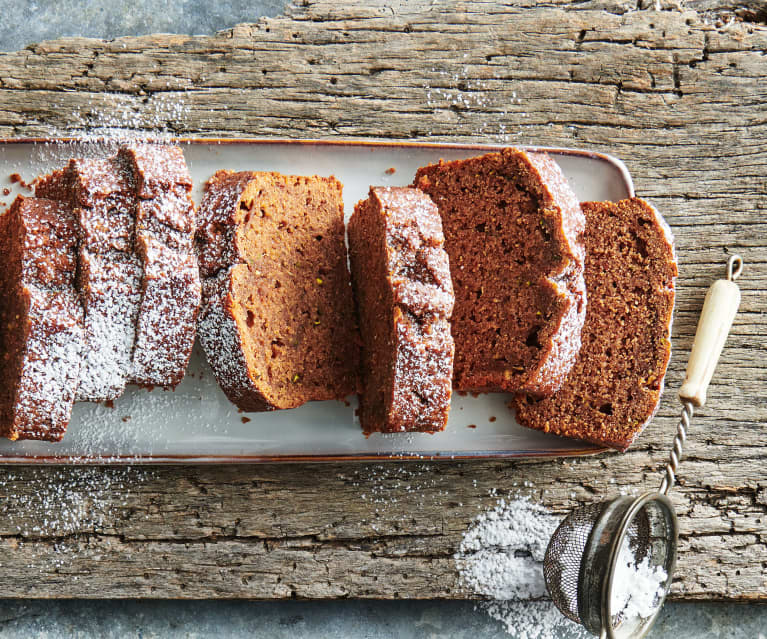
x,y
676,451
734,269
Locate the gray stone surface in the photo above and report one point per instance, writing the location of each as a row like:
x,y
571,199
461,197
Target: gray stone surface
x,y
28,21
329,620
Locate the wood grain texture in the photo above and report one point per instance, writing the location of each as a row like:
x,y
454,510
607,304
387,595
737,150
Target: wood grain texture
x,y
680,100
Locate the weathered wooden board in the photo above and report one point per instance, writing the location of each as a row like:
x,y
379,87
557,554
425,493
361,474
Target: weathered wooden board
x,y
682,101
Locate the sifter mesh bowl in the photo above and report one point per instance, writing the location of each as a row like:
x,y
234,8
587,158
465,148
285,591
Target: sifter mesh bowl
x,y
580,561
562,563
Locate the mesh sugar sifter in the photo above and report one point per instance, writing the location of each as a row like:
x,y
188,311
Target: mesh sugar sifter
x,y
582,557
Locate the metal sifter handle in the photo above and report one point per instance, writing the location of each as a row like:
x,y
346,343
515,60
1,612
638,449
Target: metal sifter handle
x,y
719,309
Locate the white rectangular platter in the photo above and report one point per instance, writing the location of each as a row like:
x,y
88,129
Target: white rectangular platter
x,y
195,423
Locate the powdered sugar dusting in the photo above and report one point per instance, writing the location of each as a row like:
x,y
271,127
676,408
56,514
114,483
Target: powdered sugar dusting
x,y
116,118
96,180
41,319
501,557
168,314
110,294
66,501
106,121
131,425
100,191
220,337
171,282
157,169
46,388
422,373
458,91
103,194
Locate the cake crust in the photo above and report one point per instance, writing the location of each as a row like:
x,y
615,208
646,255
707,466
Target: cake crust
x,y
404,297
614,388
513,234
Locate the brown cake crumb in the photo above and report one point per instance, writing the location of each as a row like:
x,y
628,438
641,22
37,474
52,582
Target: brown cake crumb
x,y
277,322
614,388
404,296
16,178
512,230
41,334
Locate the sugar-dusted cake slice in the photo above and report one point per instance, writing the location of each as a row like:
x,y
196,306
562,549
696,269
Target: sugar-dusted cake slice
x,y
512,230
404,296
41,333
164,245
277,321
614,388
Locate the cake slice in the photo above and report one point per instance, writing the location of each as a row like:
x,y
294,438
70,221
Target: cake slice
x,y
277,322
41,333
164,244
101,193
512,230
614,388
404,296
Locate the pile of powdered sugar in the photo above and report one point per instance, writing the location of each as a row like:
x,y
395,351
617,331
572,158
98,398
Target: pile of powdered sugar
x,y
638,585
502,552
501,557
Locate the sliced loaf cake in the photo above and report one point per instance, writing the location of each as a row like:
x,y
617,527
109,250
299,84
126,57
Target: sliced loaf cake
x,y
41,332
401,280
614,388
277,321
512,230
138,276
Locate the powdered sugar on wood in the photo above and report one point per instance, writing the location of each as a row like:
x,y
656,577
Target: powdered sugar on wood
x,y
501,557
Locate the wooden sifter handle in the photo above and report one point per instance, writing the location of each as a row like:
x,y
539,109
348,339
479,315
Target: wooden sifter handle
x,y
719,309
